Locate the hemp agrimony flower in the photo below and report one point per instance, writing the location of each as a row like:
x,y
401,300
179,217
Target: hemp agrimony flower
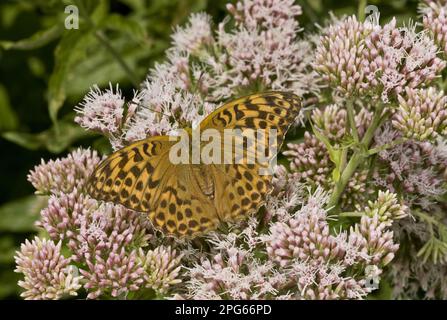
x,y
360,194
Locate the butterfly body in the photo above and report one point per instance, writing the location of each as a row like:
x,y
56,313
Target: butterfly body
x,y
188,199
204,179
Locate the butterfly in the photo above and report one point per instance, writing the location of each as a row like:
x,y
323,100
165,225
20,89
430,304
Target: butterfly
x,y
187,200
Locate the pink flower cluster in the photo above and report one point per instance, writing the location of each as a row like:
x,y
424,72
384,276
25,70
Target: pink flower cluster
x,y
204,69
422,114
417,168
64,175
305,260
435,20
364,58
359,75
110,244
47,273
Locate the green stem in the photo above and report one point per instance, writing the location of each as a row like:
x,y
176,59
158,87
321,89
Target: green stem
x,y
387,146
361,10
105,41
351,119
353,214
340,186
357,158
344,156
379,117
430,220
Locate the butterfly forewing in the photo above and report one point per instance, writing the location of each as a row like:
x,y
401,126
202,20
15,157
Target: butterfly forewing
x,y
240,191
186,200
242,187
133,175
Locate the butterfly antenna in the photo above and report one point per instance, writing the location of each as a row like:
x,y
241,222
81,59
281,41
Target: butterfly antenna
x,y
153,110
199,82
159,112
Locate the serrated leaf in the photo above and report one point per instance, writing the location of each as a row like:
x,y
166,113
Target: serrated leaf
x,y
37,40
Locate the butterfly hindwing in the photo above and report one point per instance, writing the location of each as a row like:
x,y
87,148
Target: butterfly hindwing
x,y
182,209
186,200
240,191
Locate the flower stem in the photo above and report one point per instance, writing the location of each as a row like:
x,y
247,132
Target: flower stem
x,y
351,119
357,158
340,186
353,214
387,146
361,10
378,118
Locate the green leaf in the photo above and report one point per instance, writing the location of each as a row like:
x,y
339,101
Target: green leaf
x,y
37,67
70,50
316,5
100,67
126,25
26,140
8,14
19,215
9,280
334,154
55,140
37,40
7,249
102,145
8,118
385,291
100,12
